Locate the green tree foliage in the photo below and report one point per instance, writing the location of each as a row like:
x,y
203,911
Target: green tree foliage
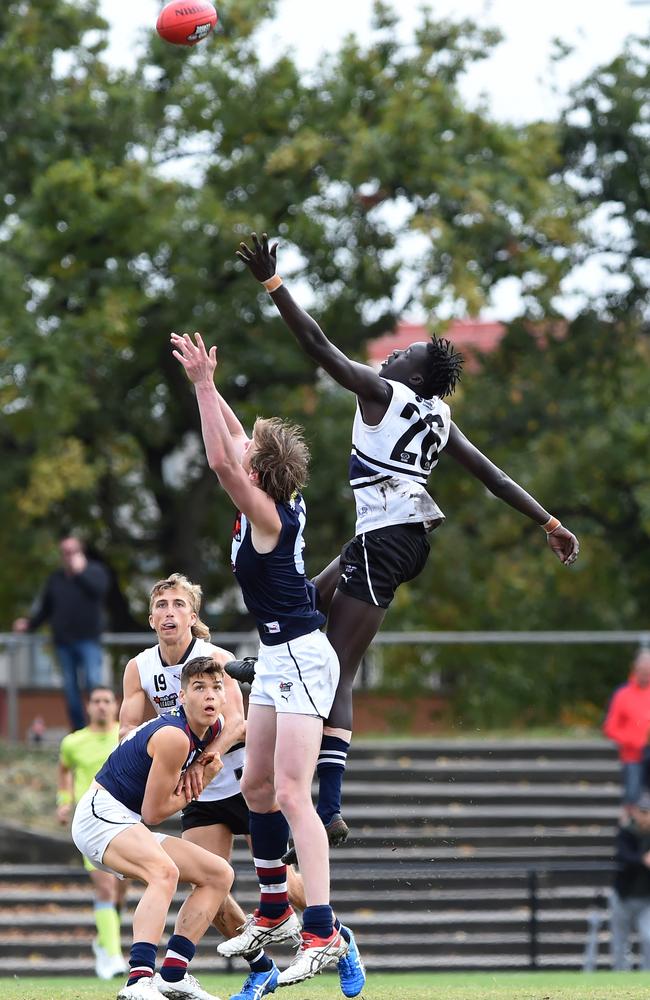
x,y
563,408
566,416
606,133
124,195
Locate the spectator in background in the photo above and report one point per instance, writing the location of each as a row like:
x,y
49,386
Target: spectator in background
x,y
72,601
81,755
628,724
630,898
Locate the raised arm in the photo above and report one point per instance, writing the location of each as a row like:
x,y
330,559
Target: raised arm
x,y
92,578
358,378
236,430
563,543
219,447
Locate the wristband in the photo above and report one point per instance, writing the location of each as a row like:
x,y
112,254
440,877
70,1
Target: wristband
x,y
63,797
272,283
552,525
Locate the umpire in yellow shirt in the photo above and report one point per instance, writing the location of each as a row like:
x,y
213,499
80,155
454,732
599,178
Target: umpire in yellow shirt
x,y
81,755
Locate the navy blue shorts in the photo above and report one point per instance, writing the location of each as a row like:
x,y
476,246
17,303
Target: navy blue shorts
x,y
374,564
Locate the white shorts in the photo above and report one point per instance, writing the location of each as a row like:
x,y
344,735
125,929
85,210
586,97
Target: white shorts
x,y
97,820
299,676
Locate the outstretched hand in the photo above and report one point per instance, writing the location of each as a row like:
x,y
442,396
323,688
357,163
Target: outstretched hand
x,y
565,545
199,364
261,260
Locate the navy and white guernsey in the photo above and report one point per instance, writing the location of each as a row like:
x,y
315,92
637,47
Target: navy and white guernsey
x,y
125,773
273,584
390,461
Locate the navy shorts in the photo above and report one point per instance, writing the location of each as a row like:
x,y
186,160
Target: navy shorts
x,y
374,564
231,812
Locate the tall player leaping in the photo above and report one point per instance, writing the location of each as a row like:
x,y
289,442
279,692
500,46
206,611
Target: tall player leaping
x,y
401,426
295,678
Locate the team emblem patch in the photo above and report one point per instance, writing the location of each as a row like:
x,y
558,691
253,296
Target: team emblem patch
x,y
285,689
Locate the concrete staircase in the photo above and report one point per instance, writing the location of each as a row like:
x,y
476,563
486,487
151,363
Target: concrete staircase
x,y
463,855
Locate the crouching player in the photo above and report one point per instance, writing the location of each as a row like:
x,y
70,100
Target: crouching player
x,y
217,812
137,786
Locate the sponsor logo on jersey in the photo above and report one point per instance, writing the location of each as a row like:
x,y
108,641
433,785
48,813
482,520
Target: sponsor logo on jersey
x,y
166,700
272,626
407,457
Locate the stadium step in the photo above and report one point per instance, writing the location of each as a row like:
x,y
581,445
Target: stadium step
x,y
448,841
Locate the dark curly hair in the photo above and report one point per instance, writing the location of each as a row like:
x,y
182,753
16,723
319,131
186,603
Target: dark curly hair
x,y
443,368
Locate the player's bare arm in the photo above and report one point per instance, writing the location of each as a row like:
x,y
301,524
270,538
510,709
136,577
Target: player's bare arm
x,y
134,699
64,796
168,749
240,438
358,378
563,543
200,367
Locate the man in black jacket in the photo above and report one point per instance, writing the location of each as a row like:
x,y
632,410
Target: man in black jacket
x,y
630,898
72,602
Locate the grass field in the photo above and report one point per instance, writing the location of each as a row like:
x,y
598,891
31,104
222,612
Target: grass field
x,y
398,986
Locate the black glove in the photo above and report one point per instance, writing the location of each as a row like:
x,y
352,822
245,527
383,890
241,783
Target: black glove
x,y
242,670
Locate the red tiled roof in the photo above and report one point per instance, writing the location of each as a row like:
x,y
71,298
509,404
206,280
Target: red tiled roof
x,y
475,335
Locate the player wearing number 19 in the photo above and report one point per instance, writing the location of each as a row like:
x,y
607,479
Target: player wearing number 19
x,y
401,425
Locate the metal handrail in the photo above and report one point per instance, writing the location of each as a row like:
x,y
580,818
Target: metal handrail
x,y
387,638
14,642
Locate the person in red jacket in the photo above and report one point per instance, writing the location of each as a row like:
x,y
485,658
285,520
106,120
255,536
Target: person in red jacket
x,y
628,724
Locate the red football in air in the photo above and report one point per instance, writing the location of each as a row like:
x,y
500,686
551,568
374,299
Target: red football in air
x,y
186,22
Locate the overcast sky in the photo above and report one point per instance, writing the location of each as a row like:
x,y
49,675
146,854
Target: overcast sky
x,y
516,78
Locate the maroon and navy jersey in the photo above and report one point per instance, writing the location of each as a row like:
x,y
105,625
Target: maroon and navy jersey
x,y
274,585
126,770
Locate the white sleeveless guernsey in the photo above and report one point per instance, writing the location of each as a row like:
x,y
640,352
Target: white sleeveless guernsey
x,y
161,684
391,461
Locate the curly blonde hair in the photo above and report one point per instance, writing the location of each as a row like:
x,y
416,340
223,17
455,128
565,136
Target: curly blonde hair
x,y
280,457
194,594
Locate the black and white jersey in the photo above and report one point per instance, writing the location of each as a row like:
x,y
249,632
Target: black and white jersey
x,y
161,683
390,462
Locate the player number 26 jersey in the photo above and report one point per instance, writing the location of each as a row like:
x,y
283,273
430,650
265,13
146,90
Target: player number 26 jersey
x,y
391,461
